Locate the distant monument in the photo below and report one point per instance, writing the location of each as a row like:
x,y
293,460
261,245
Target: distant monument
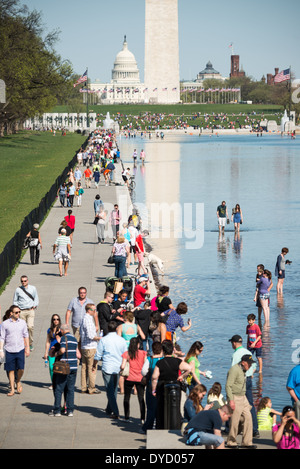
x,y
162,51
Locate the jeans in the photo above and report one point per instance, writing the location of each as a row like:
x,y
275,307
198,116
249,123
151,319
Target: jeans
x,y
249,396
62,199
111,383
120,268
63,382
151,409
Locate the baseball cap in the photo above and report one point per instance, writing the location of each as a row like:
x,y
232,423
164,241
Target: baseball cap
x,y
248,359
236,338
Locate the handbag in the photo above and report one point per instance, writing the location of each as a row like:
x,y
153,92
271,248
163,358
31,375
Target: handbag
x,y
62,367
110,260
126,370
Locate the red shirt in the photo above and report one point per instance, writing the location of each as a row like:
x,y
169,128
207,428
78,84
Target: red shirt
x,y
70,221
139,295
135,366
139,242
253,332
87,173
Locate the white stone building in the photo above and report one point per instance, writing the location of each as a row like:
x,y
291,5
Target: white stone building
x,y
125,85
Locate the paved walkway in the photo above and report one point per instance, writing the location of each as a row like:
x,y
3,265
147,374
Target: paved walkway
x,y
24,418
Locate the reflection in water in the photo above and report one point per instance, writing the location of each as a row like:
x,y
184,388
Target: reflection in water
x,y
216,281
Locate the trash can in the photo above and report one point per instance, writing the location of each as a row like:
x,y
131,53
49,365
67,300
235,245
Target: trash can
x,y
172,416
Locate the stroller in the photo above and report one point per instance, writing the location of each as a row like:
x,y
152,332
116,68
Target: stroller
x,y
110,283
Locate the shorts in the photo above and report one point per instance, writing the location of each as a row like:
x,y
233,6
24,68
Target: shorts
x,y
222,221
15,361
282,275
265,296
195,438
140,256
133,249
124,178
256,351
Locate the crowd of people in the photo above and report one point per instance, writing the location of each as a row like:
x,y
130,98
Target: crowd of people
x,y
133,335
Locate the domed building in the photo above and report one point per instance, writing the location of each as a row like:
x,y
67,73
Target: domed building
x,y
209,73
125,86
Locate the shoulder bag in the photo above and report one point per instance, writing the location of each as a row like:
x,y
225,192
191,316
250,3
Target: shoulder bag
x,y
62,367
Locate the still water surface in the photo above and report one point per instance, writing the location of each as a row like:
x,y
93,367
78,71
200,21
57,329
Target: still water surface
x,y
217,280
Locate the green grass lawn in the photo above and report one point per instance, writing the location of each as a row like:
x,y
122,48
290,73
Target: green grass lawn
x,y
30,162
180,114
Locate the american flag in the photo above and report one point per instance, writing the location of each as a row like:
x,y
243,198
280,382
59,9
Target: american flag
x,y
155,89
165,89
283,76
82,79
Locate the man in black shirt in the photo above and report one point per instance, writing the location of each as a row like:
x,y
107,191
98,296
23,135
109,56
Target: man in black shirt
x,y
205,428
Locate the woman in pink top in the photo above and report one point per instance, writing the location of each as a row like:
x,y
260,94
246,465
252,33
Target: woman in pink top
x,y
287,434
70,219
136,360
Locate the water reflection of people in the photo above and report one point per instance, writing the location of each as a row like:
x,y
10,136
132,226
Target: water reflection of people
x,y
238,243
222,246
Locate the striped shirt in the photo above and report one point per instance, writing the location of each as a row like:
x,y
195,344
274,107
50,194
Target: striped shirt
x,y
72,347
62,240
88,332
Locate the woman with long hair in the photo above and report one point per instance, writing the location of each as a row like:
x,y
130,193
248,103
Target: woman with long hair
x,y
192,359
52,338
237,217
263,286
193,404
136,359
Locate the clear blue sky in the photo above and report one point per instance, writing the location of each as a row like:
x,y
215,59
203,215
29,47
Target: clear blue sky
x,y
265,34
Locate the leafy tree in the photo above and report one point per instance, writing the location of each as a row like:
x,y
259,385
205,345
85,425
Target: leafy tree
x,y
35,75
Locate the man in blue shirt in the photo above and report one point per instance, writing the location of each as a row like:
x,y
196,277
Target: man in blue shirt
x,y
110,350
293,387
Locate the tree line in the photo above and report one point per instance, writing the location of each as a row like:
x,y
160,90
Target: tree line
x,y
36,77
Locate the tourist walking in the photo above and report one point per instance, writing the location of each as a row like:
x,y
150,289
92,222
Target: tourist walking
x,y
236,396
88,348
70,219
110,350
65,383
62,192
15,342
237,217
114,219
26,298
239,352
222,215
120,252
76,311
62,252
136,359
35,244
53,337
100,226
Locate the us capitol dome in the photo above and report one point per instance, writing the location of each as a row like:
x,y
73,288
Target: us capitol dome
x,y
125,85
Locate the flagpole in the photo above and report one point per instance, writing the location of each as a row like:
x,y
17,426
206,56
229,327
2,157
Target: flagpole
x,y
87,99
290,89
